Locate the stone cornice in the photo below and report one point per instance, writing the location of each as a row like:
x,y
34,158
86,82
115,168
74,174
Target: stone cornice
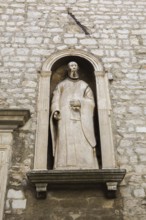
x,y
13,118
76,178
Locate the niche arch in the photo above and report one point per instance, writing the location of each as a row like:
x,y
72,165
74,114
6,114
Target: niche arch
x,y
102,99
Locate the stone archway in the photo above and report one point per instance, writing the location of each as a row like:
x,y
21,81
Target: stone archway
x,y
104,109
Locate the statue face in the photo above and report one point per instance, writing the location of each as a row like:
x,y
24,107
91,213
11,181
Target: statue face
x,y
73,67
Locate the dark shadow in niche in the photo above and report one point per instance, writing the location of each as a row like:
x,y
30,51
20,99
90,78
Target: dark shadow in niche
x,y
86,73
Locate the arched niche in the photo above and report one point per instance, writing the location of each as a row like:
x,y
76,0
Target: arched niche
x,y
44,178
99,83
86,73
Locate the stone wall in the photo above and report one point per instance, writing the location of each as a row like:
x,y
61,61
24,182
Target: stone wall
x,y
114,31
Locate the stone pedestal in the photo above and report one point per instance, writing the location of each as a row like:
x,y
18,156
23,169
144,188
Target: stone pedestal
x,y
80,179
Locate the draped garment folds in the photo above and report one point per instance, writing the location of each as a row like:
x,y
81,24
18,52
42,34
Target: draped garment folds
x,y
73,137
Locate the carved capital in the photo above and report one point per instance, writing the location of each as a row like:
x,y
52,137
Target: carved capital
x,y
99,73
46,73
112,185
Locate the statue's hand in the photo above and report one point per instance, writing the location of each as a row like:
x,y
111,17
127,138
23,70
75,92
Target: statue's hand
x,y
57,115
75,104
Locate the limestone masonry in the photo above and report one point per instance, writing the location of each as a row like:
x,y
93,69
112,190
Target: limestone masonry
x,y
115,32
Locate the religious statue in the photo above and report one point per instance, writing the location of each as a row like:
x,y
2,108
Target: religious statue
x,y
71,122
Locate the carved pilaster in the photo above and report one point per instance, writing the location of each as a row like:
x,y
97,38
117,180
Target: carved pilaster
x,y
10,119
5,156
104,109
41,145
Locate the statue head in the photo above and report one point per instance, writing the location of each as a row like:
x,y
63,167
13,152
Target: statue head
x,y
73,70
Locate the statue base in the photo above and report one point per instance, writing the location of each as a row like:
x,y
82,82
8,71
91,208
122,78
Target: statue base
x,y
44,180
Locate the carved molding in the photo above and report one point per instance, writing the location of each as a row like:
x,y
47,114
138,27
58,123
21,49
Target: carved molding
x,y
72,52
13,118
79,179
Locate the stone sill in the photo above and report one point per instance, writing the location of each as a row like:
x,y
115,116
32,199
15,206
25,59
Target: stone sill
x,y
58,179
13,118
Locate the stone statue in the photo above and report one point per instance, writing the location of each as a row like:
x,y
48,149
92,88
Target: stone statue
x,y
71,123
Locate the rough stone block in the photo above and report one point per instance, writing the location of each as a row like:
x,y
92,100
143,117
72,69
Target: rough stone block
x,y
141,129
139,31
7,51
88,42
123,53
70,40
15,194
139,193
108,41
126,143
136,110
19,203
30,84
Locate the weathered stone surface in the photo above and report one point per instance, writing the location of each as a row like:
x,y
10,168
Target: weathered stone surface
x,y
141,129
31,31
19,204
15,194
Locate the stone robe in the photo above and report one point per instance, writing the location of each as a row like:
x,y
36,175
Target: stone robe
x,y
73,137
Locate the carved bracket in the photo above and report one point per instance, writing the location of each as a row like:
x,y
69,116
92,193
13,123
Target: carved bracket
x,y
52,179
13,118
41,189
111,189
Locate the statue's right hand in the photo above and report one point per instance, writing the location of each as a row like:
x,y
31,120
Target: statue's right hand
x,y
75,105
56,115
